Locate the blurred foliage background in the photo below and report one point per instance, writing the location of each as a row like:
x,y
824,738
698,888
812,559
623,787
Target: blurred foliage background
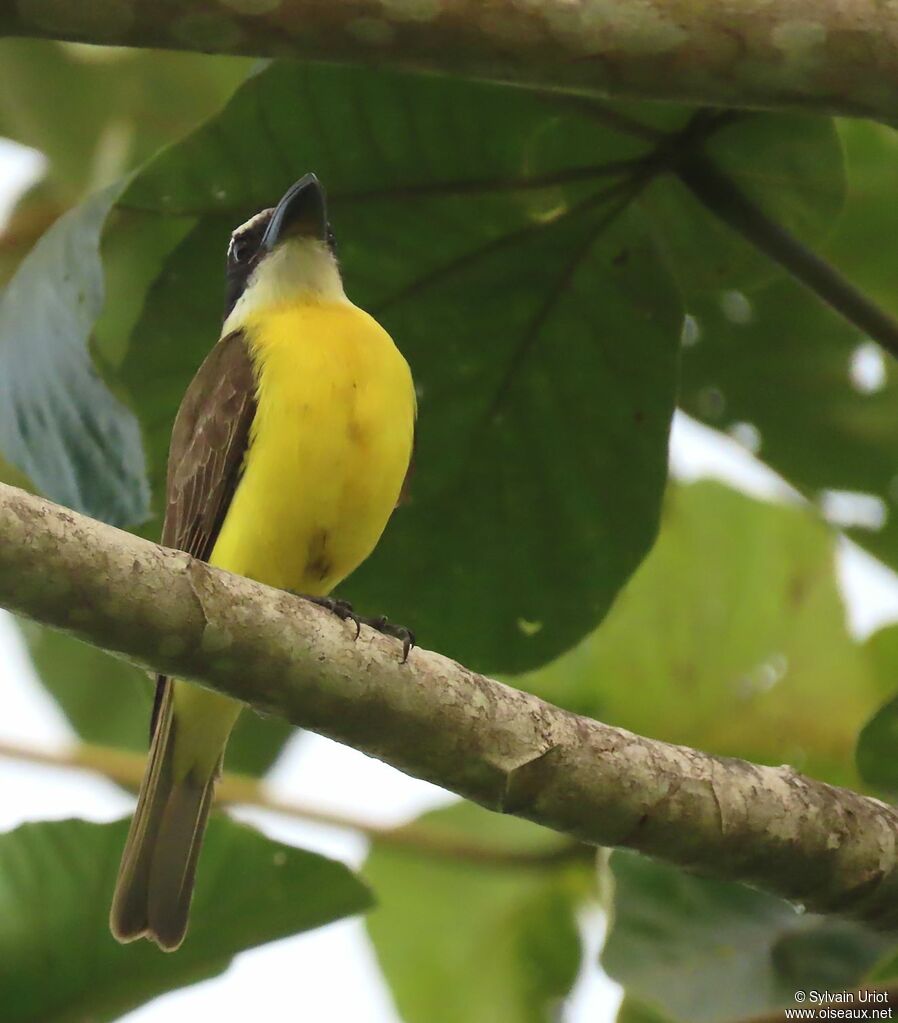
x,y
559,288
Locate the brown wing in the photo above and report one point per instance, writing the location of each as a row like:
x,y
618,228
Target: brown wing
x,y
208,445
205,458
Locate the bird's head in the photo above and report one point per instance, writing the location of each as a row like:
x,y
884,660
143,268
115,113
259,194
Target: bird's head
x,y
283,254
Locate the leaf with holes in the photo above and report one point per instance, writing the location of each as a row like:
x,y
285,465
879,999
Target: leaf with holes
x,y
776,368
56,882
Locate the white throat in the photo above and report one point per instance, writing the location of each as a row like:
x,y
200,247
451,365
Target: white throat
x,y
299,269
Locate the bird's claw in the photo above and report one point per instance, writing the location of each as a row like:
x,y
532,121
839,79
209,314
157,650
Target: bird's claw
x,y
344,611
400,632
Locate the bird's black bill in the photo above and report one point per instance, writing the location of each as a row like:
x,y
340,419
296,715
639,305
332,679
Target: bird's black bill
x,y
302,213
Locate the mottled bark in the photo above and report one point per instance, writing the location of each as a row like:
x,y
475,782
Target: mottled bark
x,y
827,848
834,55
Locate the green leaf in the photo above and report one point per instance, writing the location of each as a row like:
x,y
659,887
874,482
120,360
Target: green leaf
x,y
377,137
58,961
708,951
59,424
134,248
782,341
632,1011
780,360
790,165
95,112
476,941
523,327
877,747
885,971
109,703
870,217
729,631
14,477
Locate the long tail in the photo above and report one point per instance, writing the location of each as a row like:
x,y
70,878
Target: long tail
x,y
155,881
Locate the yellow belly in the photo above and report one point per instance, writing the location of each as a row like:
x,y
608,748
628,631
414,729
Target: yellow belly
x,y
329,448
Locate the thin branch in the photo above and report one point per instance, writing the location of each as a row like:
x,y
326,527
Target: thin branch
x,y
722,197
839,56
127,769
828,848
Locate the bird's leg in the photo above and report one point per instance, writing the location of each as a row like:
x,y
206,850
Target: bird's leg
x,y
344,611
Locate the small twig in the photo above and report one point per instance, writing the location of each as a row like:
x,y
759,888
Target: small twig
x,y
127,769
722,197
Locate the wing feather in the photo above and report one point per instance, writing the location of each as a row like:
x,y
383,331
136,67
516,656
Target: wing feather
x,y
208,447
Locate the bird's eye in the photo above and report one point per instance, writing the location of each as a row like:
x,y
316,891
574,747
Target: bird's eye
x,y
241,250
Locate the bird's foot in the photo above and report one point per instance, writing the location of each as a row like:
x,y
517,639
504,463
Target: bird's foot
x,y
344,611
341,608
386,628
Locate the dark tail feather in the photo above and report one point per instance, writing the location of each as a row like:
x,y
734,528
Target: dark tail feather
x,y
155,881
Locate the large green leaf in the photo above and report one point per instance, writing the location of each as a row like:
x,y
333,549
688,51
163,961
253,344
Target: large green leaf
x,y
731,629
523,326
706,951
479,942
477,223
59,424
108,702
58,961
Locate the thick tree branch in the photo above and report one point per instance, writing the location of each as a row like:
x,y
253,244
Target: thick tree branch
x,y
828,848
833,55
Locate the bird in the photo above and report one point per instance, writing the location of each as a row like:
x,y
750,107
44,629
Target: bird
x,y
288,454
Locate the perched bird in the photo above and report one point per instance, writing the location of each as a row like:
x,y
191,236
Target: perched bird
x,y
287,457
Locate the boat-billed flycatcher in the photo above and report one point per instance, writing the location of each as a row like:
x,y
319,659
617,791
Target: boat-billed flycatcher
x,y
287,457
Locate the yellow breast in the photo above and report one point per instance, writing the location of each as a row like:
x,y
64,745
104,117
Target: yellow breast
x,y
329,447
